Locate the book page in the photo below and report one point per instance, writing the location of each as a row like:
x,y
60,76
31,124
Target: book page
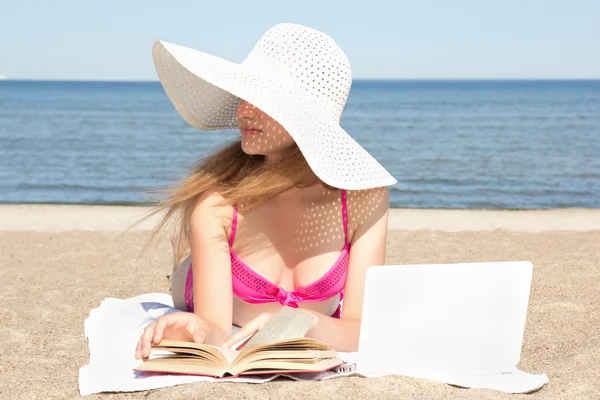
x,y
220,355
291,365
229,354
289,323
302,356
189,358
183,365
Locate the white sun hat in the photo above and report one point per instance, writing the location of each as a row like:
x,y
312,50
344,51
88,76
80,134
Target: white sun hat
x,y
295,74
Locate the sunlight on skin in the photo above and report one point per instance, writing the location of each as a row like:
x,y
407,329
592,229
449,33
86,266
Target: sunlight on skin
x,y
261,134
322,223
315,228
319,227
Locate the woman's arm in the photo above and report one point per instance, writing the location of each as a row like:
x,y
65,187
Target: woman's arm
x,y
211,266
368,248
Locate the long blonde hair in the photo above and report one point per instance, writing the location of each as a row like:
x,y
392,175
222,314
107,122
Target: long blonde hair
x,y
240,178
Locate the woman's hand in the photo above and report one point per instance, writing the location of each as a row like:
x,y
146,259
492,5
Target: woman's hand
x,y
255,325
183,326
249,329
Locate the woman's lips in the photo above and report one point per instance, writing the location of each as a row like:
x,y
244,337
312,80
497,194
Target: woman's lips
x,y
249,131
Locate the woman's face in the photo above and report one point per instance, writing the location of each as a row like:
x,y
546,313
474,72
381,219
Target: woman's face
x,y
261,134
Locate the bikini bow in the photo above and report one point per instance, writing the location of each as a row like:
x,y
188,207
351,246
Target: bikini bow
x,y
287,299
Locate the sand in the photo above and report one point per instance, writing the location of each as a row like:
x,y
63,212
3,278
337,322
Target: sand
x,y
58,262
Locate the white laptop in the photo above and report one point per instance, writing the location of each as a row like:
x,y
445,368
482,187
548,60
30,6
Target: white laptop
x,y
461,324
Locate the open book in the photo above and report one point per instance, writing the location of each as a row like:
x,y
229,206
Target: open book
x,y
278,347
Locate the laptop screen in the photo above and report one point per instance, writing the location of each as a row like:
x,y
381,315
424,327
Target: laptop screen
x,y
443,316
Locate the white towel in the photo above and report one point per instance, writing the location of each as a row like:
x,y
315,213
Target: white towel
x,y
113,330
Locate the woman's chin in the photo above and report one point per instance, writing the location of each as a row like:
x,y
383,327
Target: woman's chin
x,y
251,150
254,149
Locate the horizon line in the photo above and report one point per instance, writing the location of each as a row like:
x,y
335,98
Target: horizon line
x,y
354,79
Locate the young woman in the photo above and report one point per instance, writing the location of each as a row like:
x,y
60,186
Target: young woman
x,y
290,215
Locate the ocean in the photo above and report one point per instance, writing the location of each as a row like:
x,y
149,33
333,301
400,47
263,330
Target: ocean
x,y
450,144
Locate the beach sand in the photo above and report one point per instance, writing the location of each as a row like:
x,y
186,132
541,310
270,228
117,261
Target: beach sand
x,y
59,262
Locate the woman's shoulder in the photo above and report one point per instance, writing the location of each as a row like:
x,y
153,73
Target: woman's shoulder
x,y
209,208
211,197
363,201
365,208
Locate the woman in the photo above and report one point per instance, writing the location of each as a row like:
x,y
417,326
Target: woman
x,y
291,215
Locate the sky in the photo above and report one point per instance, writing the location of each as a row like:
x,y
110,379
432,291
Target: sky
x,y
393,39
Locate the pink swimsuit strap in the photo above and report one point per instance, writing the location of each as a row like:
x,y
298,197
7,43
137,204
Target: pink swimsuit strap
x,y
256,289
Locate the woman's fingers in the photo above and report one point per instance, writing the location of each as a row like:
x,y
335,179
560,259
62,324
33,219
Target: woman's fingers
x,y
161,324
138,349
176,326
198,330
153,333
146,340
247,330
199,336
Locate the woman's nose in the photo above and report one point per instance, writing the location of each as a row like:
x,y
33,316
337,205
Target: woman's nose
x,y
246,110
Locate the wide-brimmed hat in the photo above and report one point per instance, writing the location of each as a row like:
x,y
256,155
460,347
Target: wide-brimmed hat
x,y
295,74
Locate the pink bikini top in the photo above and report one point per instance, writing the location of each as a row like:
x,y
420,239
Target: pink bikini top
x,y
254,288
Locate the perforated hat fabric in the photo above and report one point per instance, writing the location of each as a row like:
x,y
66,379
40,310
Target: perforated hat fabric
x,y
295,74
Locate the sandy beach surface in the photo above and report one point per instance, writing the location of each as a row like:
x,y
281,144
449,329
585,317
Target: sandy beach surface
x,y
57,262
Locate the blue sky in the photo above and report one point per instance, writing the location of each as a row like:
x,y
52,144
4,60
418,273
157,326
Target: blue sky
x,y
418,39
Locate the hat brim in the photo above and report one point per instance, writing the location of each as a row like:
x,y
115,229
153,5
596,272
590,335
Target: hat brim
x,y
206,91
